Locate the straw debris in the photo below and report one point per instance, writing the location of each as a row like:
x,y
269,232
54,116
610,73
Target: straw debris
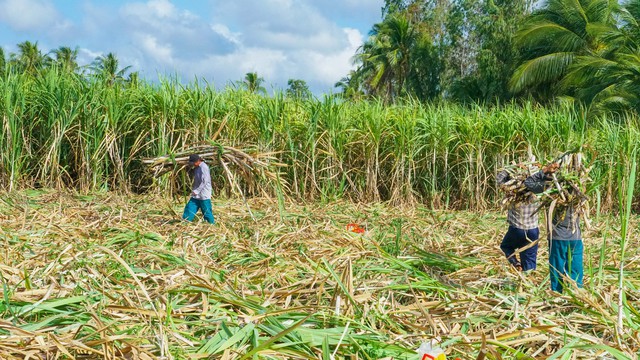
x,y
111,277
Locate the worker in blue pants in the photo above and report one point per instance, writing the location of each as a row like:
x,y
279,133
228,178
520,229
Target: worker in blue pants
x,y
201,193
565,240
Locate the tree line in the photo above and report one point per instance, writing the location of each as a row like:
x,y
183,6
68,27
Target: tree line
x,y
582,52
486,51
30,59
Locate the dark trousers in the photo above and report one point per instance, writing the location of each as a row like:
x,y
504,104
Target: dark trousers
x,y
518,238
565,260
192,207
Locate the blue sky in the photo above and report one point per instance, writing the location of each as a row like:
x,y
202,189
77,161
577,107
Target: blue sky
x,y
217,40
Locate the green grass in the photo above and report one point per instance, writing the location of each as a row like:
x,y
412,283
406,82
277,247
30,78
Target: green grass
x,y
120,277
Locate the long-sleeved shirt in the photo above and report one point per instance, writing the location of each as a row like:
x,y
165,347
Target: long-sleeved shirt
x,y
565,223
522,215
201,182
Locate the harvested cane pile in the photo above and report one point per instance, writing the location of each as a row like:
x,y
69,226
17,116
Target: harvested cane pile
x,y
248,165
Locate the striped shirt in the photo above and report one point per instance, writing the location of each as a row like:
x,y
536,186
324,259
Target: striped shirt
x,y
523,216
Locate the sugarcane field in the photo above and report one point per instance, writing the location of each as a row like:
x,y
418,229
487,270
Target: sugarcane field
x,y
340,245
320,180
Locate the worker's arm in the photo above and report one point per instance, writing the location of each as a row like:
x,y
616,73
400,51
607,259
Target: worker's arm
x,y
502,177
536,182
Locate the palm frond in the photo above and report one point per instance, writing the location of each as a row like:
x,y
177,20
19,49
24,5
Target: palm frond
x,y
549,35
540,70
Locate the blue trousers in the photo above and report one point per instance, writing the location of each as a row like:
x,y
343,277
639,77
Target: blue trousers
x,y
517,238
565,259
192,207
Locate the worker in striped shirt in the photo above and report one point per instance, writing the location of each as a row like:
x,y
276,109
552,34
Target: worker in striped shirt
x,y
523,231
201,191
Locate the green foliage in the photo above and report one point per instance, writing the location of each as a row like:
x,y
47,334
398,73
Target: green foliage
x,y
3,63
584,51
483,43
29,58
398,60
253,83
457,49
66,58
298,89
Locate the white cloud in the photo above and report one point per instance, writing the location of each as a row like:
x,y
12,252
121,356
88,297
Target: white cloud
x,y
224,31
165,33
219,40
157,13
161,52
162,8
86,56
28,15
320,69
281,24
291,39
336,65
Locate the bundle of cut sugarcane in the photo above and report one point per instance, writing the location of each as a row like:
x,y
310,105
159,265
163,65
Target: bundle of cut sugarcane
x,y
247,164
568,186
513,187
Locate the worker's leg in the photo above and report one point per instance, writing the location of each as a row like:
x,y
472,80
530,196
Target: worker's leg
x,y
190,210
575,265
528,257
557,263
207,212
510,242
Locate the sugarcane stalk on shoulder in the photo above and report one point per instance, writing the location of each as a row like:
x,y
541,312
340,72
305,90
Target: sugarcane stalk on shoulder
x,y
212,154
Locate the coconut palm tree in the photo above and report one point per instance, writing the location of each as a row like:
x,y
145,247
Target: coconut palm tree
x,y
586,51
558,34
350,86
29,58
253,83
609,79
392,56
66,58
108,69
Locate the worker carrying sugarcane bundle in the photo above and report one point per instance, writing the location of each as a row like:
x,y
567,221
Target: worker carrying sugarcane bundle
x,y
234,164
200,191
519,244
561,187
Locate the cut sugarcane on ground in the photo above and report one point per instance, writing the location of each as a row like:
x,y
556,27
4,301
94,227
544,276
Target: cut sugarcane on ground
x,y
113,276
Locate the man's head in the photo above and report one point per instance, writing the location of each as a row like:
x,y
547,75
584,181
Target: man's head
x,y
195,160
